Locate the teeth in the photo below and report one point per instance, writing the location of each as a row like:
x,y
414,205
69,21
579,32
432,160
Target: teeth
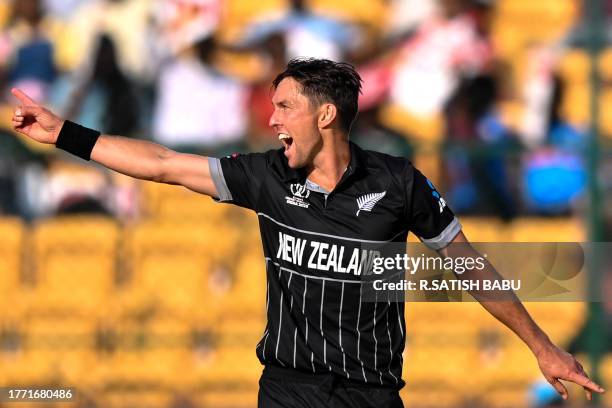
x,y
283,136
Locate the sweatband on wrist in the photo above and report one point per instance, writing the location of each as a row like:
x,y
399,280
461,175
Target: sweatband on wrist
x,y
77,139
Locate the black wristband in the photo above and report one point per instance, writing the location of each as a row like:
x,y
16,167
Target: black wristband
x,y
77,139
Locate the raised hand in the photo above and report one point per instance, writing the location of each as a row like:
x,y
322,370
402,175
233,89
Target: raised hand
x,y
557,365
34,121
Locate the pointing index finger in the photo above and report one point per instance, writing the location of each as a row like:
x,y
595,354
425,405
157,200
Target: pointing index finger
x,y
23,98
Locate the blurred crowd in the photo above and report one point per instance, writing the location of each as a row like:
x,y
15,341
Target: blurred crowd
x,y
195,75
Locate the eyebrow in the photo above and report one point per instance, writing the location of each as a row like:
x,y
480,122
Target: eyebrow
x,y
282,102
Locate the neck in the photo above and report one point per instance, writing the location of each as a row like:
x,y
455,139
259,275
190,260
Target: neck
x,y
331,162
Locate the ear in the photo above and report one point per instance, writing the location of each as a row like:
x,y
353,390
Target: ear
x,y
327,114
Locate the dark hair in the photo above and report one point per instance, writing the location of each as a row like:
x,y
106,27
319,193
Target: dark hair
x,y
324,81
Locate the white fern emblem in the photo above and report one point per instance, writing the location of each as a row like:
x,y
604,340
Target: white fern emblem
x,y
368,201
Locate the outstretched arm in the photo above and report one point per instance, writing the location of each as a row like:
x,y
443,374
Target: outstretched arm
x,y
555,363
136,158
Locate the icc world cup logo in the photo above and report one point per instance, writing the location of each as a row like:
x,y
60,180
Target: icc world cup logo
x,y
299,190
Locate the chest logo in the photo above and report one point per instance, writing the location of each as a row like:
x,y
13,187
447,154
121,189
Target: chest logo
x,y
300,193
368,201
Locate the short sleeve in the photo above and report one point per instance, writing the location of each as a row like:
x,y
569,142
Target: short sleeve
x,y
239,177
428,215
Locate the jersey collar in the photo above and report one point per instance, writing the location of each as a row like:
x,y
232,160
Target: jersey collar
x,y
356,166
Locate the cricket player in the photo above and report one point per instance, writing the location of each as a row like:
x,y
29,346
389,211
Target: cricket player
x,y
319,199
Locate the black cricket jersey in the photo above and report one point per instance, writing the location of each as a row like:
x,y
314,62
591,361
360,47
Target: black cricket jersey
x,y
312,243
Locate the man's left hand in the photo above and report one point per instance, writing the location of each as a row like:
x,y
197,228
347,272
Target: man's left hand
x,y
557,364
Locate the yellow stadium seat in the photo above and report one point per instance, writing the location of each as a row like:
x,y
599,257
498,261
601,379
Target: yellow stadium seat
x,y
560,320
182,268
484,229
422,130
604,64
52,350
178,283
150,397
371,12
237,15
158,353
554,17
605,119
429,162
75,264
248,12
177,203
440,322
232,367
240,330
575,107
12,254
247,296
606,376
242,398
246,66
575,66
432,396
507,363
215,242
507,41
516,396
5,8
437,366
547,230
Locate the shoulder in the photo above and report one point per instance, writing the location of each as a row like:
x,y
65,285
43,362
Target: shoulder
x,y
266,157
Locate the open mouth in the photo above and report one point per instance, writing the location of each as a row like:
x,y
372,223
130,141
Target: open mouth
x,y
286,140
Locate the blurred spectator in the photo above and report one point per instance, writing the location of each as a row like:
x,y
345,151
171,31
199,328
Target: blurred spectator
x,y
307,34
537,94
369,133
181,23
444,48
408,15
273,49
66,187
63,8
26,51
442,70
103,97
554,174
198,106
81,204
368,130
14,155
477,145
126,22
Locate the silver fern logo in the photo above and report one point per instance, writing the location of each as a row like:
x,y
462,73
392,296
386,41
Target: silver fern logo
x,y
368,201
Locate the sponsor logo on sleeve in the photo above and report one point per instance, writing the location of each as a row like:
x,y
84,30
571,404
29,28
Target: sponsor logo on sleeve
x,y
437,196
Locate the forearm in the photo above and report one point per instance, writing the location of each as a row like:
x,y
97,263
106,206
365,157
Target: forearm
x,y
136,158
508,309
150,161
504,305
